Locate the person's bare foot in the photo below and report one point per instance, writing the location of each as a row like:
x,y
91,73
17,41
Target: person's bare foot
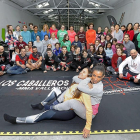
x,y
54,69
45,71
62,68
67,69
1,73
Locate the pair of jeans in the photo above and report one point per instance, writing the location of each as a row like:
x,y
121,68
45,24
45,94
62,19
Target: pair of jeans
x,y
16,70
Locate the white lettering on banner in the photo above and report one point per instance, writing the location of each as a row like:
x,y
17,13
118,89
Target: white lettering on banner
x,y
118,91
9,83
36,84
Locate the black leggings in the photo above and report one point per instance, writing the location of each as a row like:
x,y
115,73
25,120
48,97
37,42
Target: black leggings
x,y
48,115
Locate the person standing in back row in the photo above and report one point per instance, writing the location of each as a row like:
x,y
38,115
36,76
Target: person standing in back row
x,y
90,35
82,36
61,33
71,34
45,31
35,33
26,34
53,30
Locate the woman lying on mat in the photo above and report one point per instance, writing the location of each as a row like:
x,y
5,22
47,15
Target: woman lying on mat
x,y
84,106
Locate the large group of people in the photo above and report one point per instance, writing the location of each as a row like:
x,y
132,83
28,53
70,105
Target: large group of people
x,y
113,51
53,49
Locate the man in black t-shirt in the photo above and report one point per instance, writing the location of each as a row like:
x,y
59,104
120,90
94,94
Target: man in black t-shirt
x,y
4,61
65,59
50,61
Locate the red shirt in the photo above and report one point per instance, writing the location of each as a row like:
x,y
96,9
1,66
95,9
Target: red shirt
x,y
35,56
22,60
131,34
82,36
21,45
53,31
71,35
114,61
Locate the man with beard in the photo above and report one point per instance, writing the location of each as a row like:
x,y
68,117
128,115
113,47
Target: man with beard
x,y
35,59
20,67
132,72
4,61
50,61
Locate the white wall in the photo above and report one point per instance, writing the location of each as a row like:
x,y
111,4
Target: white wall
x,y
131,9
11,14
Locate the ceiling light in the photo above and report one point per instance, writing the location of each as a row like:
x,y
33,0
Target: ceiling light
x,y
42,5
89,11
51,15
46,12
95,4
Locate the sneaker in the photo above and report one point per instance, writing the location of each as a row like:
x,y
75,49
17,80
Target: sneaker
x,y
27,69
24,72
115,73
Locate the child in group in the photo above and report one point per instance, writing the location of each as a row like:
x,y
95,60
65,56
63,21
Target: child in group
x,y
87,60
49,46
97,44
109,53
14,54
103,40
120,45
117,59
100,54
114,42
77,59
91,50
72,49
11,42
57,49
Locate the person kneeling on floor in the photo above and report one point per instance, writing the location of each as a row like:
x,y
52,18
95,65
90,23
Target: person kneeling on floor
x,y
50,61
4,61
20,66
132,71
35,59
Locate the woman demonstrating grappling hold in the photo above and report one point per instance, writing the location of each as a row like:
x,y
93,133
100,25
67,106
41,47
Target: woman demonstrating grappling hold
x,y
82,104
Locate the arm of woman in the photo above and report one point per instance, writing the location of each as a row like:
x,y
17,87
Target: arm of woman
x,y
86,99
76,79
84,87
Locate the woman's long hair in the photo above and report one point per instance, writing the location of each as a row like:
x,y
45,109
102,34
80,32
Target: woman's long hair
x,y
64,39
47,28
98,52
77,92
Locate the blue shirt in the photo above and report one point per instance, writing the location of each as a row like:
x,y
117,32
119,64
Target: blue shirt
x,y
77,44
33,36
57,52
26,36
43,34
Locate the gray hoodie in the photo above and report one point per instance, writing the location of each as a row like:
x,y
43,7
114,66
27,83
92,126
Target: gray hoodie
x,y
119,35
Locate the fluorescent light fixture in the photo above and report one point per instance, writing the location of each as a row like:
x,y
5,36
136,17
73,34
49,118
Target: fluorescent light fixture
x,y
94,4
46,12
42,5
51,15
89,11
